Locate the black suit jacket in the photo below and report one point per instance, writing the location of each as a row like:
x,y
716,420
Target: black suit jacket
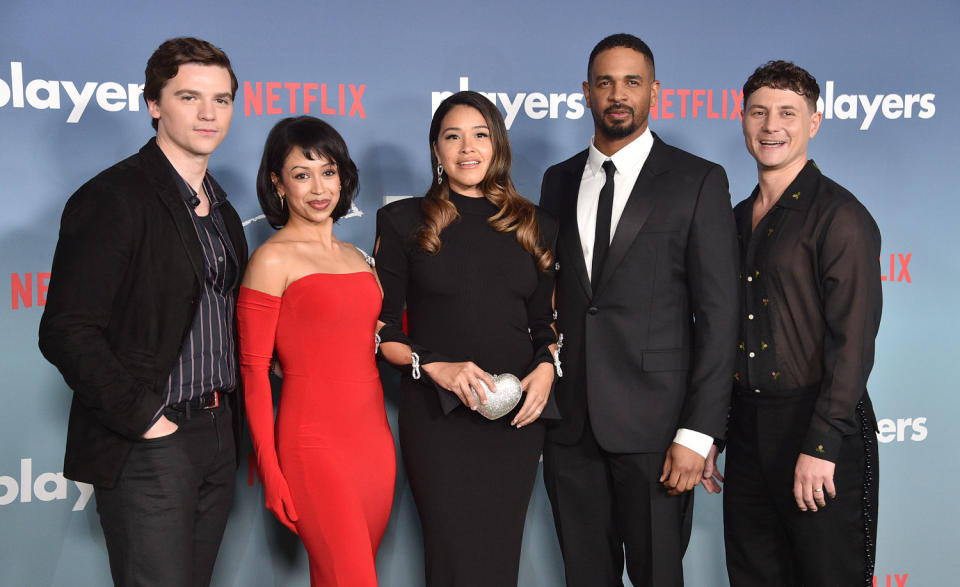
x,y
649,348
124,287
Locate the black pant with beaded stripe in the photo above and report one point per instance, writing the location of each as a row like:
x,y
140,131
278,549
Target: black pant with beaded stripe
x,y
769,541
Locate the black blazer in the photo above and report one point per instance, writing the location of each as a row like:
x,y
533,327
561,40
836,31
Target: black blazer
x,y
650,347
124,287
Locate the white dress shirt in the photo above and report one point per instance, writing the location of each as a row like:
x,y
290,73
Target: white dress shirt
x,y
629,161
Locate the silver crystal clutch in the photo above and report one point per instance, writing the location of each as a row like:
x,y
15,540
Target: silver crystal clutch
x,y
504,399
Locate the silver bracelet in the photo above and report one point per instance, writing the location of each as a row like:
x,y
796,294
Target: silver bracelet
x,y
376,343
415,364
556,356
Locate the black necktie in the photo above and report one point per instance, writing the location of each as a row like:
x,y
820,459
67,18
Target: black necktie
x,y
601,240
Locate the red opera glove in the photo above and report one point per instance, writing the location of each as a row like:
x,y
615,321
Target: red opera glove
x,y
257,315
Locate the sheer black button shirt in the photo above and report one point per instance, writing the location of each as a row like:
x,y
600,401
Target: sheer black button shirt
x,y
810,302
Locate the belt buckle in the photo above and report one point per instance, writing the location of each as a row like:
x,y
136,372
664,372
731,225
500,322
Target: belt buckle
x,y
215,401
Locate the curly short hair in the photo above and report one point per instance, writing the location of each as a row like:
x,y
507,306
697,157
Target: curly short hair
x,y
783,75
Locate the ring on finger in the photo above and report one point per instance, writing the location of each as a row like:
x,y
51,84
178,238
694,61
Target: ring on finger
x,y
818,490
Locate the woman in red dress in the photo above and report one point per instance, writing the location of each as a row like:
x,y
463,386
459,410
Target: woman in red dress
x,y
328,463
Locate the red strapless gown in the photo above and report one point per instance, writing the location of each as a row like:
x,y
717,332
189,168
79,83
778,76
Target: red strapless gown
x,y
332,452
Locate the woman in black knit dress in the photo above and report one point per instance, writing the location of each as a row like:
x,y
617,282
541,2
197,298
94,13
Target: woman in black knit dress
x,y
471,264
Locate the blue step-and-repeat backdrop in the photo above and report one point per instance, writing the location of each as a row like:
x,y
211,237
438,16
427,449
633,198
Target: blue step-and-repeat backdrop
x,y
70,105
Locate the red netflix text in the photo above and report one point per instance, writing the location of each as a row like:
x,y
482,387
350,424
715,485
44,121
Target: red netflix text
x,y
261,98
699,103
895,267
24,287
890,580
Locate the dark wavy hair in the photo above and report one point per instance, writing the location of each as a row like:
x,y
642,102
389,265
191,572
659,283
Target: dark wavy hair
x,y
516,213
622,40
165,62
315,138
783,75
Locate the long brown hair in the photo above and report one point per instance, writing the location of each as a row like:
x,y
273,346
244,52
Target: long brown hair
x,y
516,213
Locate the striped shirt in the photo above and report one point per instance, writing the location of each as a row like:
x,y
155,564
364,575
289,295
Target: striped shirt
x,y
207,358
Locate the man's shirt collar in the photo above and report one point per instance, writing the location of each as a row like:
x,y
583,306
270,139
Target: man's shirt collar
x,y
627,160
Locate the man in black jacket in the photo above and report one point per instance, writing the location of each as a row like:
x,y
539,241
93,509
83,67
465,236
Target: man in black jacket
x,y
140,322
646,301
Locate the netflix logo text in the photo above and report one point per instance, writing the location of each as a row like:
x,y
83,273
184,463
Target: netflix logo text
x,y
28,290
896,580
895,268
698,103
288,98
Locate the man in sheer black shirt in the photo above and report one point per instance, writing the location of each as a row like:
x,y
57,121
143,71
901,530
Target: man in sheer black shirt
x,y
801,471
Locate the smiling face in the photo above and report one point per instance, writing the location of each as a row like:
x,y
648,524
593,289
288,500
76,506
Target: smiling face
x,y
777,126
465,149
310,186
620,93
194,111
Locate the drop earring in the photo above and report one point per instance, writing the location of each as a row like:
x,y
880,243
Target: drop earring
x,y
439,174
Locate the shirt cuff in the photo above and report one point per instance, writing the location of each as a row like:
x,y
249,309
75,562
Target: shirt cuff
x,y
821,441
698,442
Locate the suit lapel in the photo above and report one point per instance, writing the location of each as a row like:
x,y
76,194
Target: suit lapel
x,y
158,170
636,212
570,236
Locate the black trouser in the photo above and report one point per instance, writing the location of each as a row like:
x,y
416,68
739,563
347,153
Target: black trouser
x,y
769,541
606,503
164,518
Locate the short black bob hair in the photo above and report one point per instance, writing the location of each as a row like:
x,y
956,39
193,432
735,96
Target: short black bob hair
x,y
314,138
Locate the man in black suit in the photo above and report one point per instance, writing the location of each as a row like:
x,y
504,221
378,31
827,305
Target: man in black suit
x,y
646,302
139,320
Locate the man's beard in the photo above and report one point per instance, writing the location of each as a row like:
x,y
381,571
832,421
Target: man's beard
x,y
615,131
